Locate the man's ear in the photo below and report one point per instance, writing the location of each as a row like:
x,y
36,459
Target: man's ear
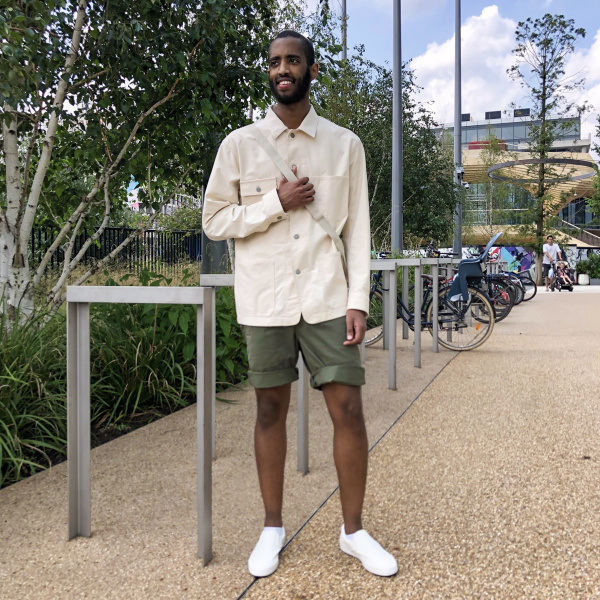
x,y
314,70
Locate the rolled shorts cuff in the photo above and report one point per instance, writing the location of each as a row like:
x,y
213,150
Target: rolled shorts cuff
x,y
338,374
270,379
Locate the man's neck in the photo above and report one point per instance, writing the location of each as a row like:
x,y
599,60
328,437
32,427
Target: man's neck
x,y
292,115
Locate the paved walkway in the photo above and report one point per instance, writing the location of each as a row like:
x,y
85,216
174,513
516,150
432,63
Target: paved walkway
x,y
487,487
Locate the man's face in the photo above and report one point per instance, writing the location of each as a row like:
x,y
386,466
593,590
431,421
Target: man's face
x,y
289,73
549,240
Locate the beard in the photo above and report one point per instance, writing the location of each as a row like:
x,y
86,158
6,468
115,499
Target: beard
x,y
296,95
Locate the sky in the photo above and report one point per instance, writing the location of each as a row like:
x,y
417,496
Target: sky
x,y
487,34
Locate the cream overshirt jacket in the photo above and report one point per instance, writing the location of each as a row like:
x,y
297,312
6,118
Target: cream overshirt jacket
x,y
286,266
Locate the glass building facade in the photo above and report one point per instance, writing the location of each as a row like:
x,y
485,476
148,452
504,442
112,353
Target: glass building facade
x,y
514,131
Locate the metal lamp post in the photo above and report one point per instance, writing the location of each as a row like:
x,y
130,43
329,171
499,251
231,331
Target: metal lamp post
x,y
397,174
458,170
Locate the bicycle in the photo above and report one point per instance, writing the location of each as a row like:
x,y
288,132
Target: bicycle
x,y
465,315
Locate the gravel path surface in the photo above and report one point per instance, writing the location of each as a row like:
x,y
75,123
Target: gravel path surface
x,y
487,487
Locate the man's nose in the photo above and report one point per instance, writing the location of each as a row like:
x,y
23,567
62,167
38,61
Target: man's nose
x,y
283,68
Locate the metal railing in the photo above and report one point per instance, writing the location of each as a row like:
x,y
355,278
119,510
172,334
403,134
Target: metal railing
x,y
79,299
148,249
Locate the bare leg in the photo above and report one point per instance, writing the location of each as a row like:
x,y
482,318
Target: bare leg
x,y
270,444
350,449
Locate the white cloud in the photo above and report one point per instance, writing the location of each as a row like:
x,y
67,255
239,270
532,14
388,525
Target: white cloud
x,y
487,43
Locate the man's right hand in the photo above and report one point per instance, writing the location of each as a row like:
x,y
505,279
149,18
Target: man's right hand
x,y
293,194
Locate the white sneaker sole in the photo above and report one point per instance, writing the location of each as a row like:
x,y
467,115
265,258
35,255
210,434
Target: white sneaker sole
x,y
345,547
266,571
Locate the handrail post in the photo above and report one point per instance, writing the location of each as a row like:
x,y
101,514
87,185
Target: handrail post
x,y
204,428
389,324
78,419
418,318
302,417
405,286
435,271
212,292
387,295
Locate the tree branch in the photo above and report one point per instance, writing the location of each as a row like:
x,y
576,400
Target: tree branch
x,y
48,144
55,300
88,78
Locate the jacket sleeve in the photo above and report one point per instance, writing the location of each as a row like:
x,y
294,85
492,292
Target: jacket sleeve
x,y
222,216
357,231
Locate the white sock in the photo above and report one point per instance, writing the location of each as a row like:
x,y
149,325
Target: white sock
x,y
349,536
278,530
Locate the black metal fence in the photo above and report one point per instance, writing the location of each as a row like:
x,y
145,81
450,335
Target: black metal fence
x,y
148,250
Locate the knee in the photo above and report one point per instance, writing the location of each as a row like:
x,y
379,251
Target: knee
x,y
270,411
349,413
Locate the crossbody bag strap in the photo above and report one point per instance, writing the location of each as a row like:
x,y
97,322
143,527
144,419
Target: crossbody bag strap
x,y
290,176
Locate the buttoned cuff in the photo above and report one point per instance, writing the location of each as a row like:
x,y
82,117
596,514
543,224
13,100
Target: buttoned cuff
x,y
272,206
358,302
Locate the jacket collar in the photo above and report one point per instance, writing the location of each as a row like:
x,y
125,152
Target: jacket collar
x,y
277,127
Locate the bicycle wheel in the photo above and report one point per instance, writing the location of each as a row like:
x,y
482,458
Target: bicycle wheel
x,y
518,285
503,296
462,325
375,319
530,288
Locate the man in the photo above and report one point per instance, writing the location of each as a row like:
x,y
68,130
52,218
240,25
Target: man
x,y
290,287
551,252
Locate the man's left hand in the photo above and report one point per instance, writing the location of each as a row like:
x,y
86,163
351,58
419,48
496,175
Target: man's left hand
x,y
356,326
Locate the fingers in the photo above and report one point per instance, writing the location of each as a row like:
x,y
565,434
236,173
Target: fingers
x,y
349,328
355,330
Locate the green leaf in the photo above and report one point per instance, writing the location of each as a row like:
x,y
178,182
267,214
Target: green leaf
x,y
188,351
184,321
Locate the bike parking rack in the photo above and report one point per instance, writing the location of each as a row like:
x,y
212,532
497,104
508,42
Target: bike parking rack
x,y
390,308
213,281
79,299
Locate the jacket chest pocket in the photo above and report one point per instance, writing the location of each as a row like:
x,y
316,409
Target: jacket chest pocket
x,y
252,190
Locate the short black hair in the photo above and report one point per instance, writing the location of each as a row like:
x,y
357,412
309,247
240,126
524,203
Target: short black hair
x,y
309,50
549,236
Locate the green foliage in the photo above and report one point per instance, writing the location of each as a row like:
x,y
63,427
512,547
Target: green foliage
x,y
232,358
184,218
594,201
143,366
360,99
33,419
591,266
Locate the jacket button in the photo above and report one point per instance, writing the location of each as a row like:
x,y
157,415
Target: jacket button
x,y
296,236
258,189
297,271
292,135
279,218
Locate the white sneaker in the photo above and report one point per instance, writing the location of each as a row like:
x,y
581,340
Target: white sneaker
x,y
373,557
265,557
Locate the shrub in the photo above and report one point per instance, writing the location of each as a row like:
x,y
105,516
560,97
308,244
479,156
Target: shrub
x,y
582,267
143,366
594,266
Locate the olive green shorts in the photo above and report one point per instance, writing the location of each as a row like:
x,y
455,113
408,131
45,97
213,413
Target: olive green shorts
x,y
273,354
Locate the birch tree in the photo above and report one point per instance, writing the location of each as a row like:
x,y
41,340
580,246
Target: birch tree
x,y
543,46
115,91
